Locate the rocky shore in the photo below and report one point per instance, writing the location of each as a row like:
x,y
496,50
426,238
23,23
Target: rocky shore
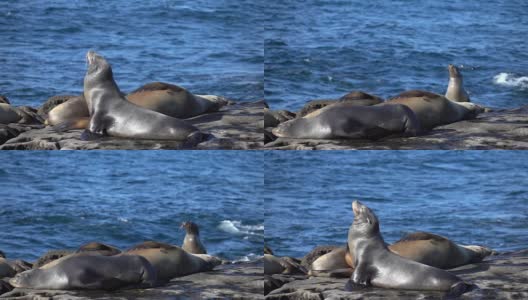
x,y
503,276
236,126
499,129
232,281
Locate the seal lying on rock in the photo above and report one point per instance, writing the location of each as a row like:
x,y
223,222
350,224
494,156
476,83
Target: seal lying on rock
x,y
377,266
112,114
165,98
191,242
172,261
433,110
348,121
423,247
89,271
358,98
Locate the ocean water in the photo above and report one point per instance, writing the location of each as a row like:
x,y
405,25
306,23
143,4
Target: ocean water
x,y
324,49
471,197
52,200
206,46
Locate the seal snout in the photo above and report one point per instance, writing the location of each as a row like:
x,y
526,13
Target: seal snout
x,y
453,71
356,207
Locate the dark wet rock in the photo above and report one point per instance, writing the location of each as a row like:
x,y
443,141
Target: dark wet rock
x,y
237,126
29,115
499,129
52,102
498,277
9,131
51,256
230,281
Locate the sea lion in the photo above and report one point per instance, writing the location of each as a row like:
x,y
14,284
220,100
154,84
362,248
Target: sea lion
x,y
100,248
282,265
433,110
172,261
348,121
89,271
455,88
165,98
5,268
376,265
355,97
175,101
423,247
191,242
111,114
8,114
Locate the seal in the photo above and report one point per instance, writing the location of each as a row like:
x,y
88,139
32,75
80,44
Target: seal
x,y
347,121
423,247
111,114
172,261
377,266
355,97
433,110
165,98
100,248
90,271
175,101
191,242
282,265
8,114
455,88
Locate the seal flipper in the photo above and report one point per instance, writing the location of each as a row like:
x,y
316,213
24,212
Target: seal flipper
x,y
350,286
87,135
81,123
458,289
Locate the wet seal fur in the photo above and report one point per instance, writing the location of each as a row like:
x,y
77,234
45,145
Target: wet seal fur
x,y
172,261
434,110
165,98
90,271
455,87
358,98
111,114
282,265
376,266
348,121
191,242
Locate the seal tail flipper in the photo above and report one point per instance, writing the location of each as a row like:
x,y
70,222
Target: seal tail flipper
x,y
351,286
337,273
81,123
458,289
87,135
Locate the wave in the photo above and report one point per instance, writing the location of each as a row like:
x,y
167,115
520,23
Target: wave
x,y
236,227
511,80
248,258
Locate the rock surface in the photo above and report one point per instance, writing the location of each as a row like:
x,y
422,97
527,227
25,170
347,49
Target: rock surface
x,y
503,276
237,126
500,129
231,281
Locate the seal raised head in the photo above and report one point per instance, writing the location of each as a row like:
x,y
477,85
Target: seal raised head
x,y
191,242
455,88
111,113
377,266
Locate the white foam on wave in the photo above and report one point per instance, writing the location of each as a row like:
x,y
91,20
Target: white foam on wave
x,y
248,258
509,79
236,227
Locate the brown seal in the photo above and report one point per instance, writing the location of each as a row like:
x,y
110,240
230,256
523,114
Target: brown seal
x,y
191,242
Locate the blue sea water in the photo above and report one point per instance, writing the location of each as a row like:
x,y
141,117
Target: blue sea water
x,y
206,46
324,49
52,200
471,197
